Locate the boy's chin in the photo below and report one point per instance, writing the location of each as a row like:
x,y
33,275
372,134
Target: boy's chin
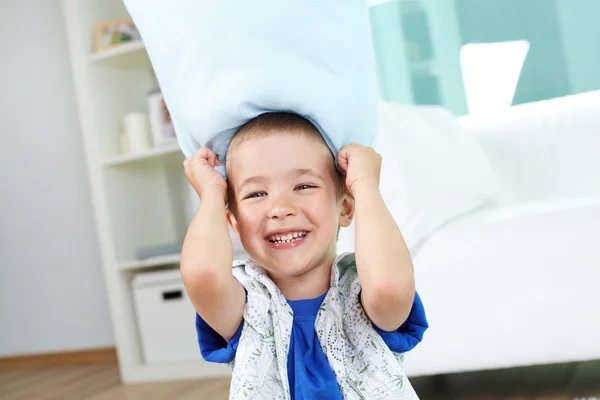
x,y
286,266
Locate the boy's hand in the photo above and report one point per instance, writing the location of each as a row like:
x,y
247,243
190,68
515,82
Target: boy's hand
x,y
361,164
200,171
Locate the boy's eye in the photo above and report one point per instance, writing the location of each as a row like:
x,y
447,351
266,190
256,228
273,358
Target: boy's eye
x,y
255,195
304,187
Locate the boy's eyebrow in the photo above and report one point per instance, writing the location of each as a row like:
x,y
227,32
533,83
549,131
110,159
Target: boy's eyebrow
x,y
306,171
252,179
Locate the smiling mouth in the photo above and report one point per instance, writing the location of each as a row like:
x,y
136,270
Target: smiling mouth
x,y
288,238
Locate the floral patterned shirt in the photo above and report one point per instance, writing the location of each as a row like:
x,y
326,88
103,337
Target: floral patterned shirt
x,y
367,362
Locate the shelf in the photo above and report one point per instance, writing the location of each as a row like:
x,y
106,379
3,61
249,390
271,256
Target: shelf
x,y
131,54
154,152
165,260
151,262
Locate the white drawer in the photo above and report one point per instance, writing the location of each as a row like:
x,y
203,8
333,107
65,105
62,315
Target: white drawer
x,y
166,318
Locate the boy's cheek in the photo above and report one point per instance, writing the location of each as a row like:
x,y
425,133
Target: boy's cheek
x,y
246,229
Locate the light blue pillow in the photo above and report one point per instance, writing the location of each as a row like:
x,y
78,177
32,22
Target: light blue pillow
x,y
222,63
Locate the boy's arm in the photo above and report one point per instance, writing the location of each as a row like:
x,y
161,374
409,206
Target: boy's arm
x,y
207,257
383,262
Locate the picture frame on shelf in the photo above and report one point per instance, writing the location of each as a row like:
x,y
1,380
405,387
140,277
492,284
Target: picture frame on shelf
x,y
161,125
114,32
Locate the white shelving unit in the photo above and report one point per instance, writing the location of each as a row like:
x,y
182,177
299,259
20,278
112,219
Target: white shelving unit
x,y
139,200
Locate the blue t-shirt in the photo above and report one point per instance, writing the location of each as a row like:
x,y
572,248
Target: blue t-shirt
x,y
309,374
318,381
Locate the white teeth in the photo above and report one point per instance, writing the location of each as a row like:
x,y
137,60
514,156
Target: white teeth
x,y
288,237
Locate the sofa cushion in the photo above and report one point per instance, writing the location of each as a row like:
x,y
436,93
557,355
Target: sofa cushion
x,y
433,171
544,150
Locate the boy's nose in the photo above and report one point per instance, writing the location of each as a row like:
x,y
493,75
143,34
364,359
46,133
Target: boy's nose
x,y
281,210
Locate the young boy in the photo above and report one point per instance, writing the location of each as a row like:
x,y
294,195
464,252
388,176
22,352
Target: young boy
x,y
296,321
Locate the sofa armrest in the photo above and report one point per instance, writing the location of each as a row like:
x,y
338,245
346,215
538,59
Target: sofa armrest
x,y
544,150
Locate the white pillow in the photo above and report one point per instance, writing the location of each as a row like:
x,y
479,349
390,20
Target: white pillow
x,y
222,63
433,171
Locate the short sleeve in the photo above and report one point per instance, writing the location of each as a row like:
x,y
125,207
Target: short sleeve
x,y
410,333
212,345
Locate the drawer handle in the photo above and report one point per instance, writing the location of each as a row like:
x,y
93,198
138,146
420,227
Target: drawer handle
x,y
172,295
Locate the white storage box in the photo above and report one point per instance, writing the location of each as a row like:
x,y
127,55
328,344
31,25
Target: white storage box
x,y
166,318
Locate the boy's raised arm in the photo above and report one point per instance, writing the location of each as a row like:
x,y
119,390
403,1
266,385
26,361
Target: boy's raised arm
x,y
383,262
207,254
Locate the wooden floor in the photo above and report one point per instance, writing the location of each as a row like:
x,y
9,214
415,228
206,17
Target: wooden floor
x,y
101,382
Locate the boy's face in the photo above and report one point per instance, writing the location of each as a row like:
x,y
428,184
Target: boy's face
x,y
286,208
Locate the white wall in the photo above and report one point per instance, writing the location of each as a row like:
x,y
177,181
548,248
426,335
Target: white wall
x,y
52,294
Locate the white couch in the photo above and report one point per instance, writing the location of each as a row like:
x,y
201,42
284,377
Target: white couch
x,y
518,283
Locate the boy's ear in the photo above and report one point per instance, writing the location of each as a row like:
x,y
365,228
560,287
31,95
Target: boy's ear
x,y
232,221
347,212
